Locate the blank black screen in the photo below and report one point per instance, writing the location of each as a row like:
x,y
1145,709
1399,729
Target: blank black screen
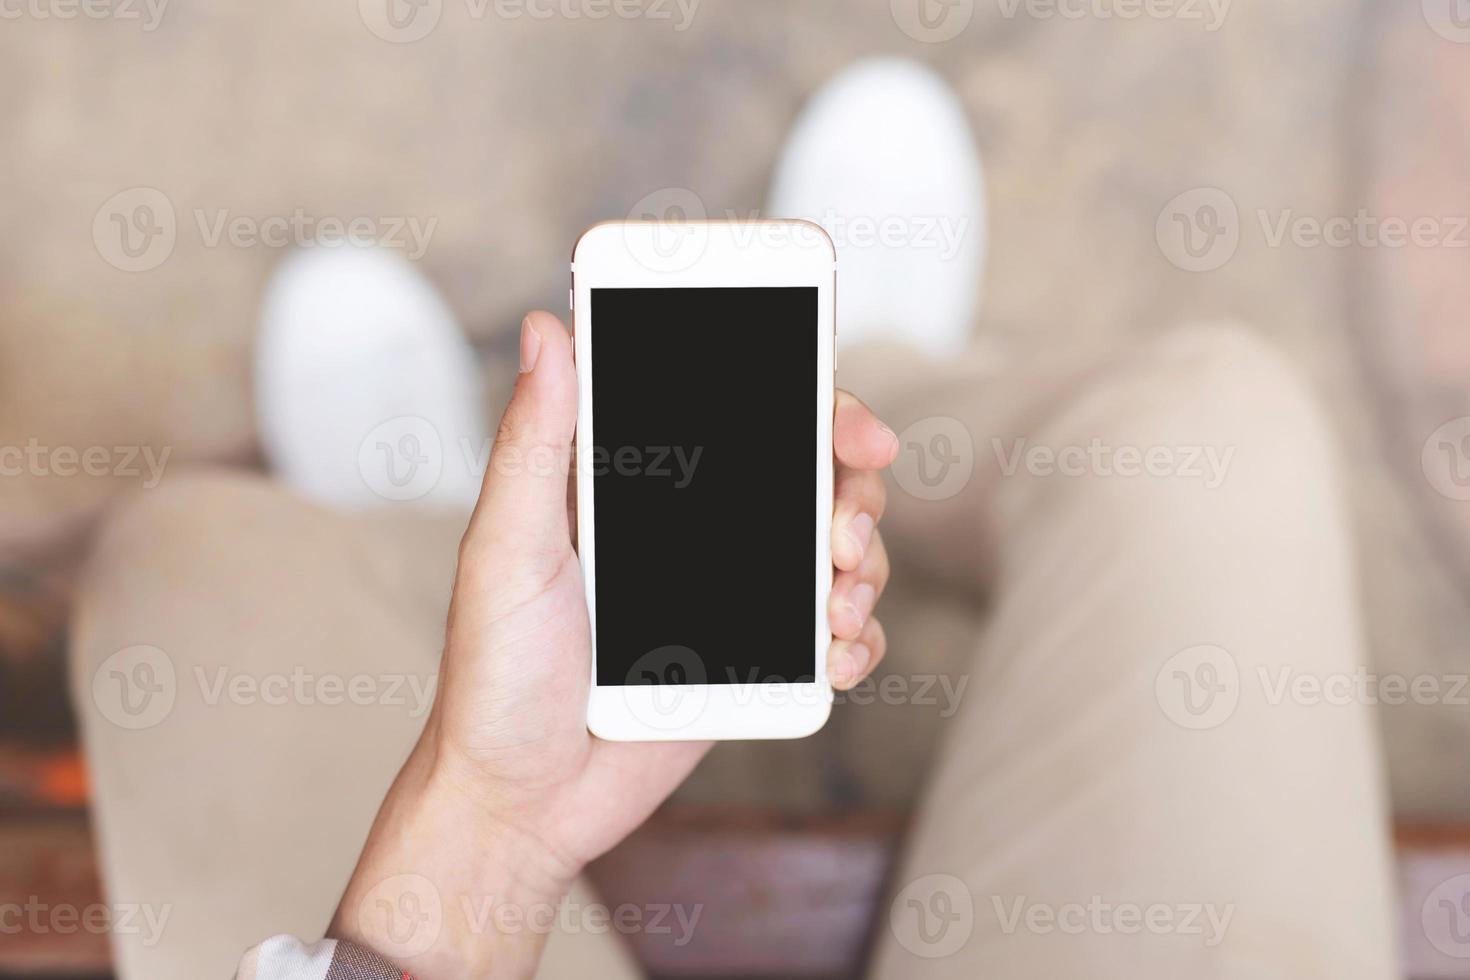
x,y
704,475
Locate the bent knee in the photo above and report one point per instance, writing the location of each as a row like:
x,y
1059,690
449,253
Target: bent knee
x,y
162,550
1220,385
1205,431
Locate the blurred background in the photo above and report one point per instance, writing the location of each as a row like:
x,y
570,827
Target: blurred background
x,y
136,134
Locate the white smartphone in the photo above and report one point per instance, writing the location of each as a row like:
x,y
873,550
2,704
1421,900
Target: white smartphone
x,y
704,464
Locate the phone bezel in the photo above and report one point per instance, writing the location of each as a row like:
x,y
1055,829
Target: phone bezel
x,y
653,254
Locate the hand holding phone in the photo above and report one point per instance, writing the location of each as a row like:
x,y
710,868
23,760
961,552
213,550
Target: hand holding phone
x,y
507,793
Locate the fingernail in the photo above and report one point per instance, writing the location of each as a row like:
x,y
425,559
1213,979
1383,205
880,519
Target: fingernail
x,y
860,530
893,436
849,666
860,600
530,346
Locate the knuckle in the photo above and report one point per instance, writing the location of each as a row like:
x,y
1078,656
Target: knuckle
x,y
875,637
877,559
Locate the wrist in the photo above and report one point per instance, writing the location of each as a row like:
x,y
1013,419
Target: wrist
x,y
447,886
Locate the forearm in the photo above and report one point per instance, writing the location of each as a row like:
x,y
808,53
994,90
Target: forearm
x,y
444,889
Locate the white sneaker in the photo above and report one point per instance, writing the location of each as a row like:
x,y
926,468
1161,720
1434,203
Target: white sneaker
x,y
366,390
884,159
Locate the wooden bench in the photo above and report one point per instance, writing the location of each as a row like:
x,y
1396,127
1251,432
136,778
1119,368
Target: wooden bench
x,y
778,897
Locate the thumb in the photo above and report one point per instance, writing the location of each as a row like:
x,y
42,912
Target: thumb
x,y
521,516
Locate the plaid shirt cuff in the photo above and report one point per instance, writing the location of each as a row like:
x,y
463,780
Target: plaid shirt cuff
x,y
288,958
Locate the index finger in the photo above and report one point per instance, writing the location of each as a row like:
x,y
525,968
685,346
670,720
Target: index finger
x,y
859,439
